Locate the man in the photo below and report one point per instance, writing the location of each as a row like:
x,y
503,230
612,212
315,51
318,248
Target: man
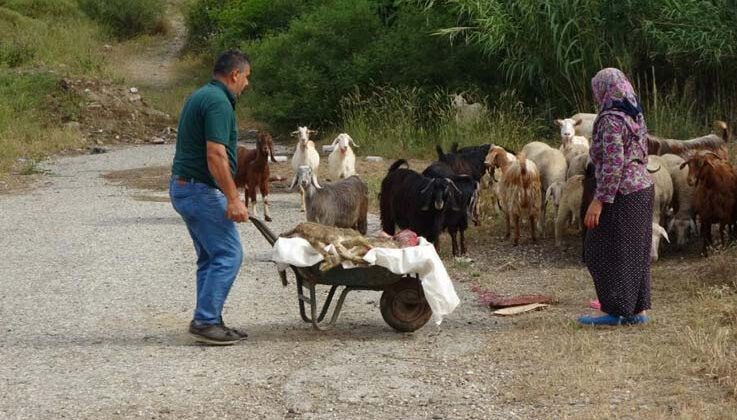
x,y
202,191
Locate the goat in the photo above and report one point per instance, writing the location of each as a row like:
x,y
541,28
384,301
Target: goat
x,y
519,190
305,154
467,161
465,113
342,161
456,221
253,172
715,194
568,135
568,210
412,201
341,204
716,143
682,217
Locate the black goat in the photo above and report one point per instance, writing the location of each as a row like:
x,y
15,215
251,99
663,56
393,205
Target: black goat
x,y
467,161
455,221
412,201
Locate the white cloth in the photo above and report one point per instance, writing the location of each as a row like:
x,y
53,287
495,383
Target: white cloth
x,y
421,259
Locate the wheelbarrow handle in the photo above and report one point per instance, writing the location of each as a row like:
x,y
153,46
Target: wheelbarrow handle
x,y
265,231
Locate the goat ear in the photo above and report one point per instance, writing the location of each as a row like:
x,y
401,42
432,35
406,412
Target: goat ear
x,y
558,122
353,143
335,141
271,153
577,122
314,182
294,133
425,200
684,164
312,132
294,183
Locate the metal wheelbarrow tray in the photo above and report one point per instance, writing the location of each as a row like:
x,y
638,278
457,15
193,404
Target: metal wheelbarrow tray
x,y
402,304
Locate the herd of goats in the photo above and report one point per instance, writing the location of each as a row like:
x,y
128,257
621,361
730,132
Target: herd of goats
x,y
695,186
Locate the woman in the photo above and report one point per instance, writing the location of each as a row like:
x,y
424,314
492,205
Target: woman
x,y
617,244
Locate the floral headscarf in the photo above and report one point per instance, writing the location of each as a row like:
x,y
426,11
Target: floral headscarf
x,y
614,94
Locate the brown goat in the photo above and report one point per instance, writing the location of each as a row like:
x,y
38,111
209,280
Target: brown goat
x,y
520,194
715,194
716,143
253,171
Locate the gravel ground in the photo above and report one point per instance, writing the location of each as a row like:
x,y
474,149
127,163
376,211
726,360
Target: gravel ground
x,y
98,288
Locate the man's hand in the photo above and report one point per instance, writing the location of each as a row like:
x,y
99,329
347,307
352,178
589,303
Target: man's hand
x,y
237,211
592,214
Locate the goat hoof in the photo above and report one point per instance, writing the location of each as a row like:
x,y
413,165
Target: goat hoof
x,y
267,218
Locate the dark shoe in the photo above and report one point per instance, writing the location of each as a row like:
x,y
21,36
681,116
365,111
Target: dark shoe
x,y
215,334
241,333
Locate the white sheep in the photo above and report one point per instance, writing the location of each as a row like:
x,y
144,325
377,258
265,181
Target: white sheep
x,y
464,112
551,165
570,206
663,196
305,154
577,165
683,215
580,124
342,160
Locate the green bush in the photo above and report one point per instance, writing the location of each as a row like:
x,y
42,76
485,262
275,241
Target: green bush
x,y
127,18
43,8
201,18
300,75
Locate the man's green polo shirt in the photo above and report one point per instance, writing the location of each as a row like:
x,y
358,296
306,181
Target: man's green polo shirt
x,y
208,115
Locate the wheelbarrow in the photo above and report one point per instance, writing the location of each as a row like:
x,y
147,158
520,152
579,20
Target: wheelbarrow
x,y
402,304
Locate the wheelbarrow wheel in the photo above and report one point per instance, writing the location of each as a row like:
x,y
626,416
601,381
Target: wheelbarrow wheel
x,y
403,305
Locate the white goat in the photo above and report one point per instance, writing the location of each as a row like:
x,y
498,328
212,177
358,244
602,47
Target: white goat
x,y
305,154
682,204
465,112
568,135
342,160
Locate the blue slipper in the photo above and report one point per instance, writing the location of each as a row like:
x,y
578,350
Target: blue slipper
x,y
635,320
610,320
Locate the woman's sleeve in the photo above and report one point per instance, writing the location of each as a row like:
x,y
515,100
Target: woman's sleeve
x,y
611,151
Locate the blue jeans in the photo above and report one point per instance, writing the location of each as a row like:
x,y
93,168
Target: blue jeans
x,y
216,241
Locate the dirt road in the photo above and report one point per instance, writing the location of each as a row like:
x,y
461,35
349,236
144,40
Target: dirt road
x,y
97,291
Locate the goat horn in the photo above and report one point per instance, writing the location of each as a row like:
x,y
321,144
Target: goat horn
x,y
314,182
709,152
453,184
655,170
427,187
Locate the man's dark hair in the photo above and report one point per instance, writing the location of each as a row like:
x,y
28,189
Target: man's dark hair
x,y
230,60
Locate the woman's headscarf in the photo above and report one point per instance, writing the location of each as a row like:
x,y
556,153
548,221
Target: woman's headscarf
x,y
614,94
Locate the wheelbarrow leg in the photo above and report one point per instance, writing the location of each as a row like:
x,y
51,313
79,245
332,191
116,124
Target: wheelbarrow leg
x,y
312,300
336,311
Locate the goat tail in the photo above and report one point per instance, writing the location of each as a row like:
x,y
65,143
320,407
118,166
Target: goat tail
x,y
522,159
439,150
722,130
397,164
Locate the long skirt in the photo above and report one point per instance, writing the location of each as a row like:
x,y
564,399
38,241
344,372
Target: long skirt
x,y
617,253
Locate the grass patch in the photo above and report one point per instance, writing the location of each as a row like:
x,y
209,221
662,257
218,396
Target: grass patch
x,y
32,108
127,18
682,364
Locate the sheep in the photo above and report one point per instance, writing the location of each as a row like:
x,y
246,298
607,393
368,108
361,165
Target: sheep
x,y
465,113
553,195
253,172
342,203
342,161
412,201
715,194
532,149
305,154
456,221
580,124
573,150
577,165
568,209
682,218
662,200
716,143
519,190
568,135
551,166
